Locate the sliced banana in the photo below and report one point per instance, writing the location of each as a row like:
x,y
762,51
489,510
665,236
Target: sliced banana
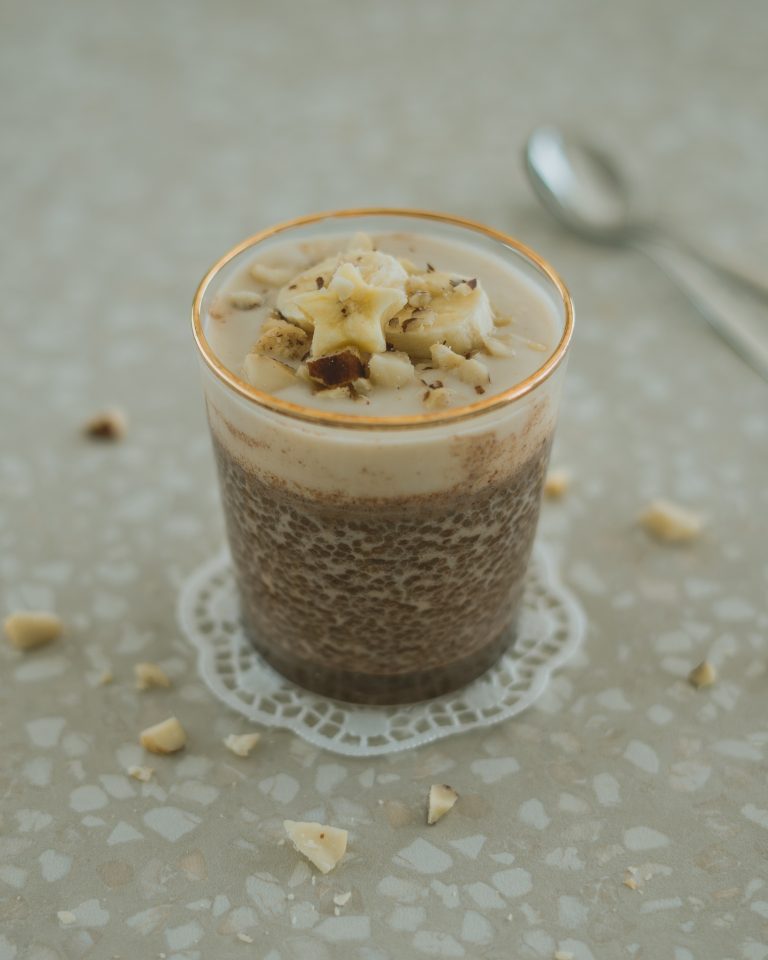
x,y
376,268
458,314
350,311
267,374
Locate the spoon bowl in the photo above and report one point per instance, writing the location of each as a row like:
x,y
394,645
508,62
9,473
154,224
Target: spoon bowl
x,y
580,186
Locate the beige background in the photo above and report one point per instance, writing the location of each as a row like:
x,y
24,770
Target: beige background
x,y
138,143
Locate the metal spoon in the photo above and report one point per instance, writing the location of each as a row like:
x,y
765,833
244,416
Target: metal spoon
x,y
585,191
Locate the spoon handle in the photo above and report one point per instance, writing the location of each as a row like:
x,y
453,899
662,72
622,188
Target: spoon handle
x,y
733,305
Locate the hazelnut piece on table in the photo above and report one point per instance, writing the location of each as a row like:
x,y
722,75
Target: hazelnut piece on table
x,y
165,737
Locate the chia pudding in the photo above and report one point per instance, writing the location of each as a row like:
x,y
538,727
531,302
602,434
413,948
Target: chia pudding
x,y
382,406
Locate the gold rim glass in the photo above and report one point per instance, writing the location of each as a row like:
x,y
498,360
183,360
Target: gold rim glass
x,y
312,414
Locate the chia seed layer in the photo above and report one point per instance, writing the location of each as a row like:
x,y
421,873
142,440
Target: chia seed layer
x,y
380,600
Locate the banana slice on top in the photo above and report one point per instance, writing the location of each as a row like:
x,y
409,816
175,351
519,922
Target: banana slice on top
x,y
442,308
349,312
376,268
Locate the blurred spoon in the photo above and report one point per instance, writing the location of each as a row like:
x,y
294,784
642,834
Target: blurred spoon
x,y
584,189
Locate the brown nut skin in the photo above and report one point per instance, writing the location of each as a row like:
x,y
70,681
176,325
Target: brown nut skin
x,y
337,369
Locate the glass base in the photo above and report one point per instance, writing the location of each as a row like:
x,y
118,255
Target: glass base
x,y
384,690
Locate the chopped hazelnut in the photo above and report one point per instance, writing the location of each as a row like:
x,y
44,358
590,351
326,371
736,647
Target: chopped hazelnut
x,y
150,675
336,369
702,676
437,399
25,631
441,800
671,523
245,299
241,743
165,737
474,373
66,917
322,845
337,393
498,347
267,374
141,773
557,483
270,276
444,358
282,341
361,241
109,425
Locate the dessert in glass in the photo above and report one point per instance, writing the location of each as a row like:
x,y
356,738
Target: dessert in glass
x,y
382,390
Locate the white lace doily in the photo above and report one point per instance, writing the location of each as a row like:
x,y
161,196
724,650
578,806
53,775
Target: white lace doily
x,y
550,628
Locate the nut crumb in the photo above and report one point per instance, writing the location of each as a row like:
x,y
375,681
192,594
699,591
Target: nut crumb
x,y
109,425
241,743
341,899
141,773
165,737
150,675
437,398
106,678
322,845
671,523
271,276
66,917
562,955
28,630
245,299
361,241
282,341
244,938
702,676
267,374
337,369
557,483
441,800
630,881
498,347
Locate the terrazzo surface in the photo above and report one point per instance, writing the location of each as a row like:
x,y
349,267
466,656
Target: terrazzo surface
x,y
138,144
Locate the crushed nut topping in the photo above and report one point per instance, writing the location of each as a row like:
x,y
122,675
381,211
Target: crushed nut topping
x,y
270,276
109,425
441,799
25,631
141,773
165,737
283,341
150,675
245,299
671,523
704,675
557,483
267,374
337,369
241,743
322,845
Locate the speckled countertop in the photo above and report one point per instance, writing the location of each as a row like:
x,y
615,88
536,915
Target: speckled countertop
x,y
138,143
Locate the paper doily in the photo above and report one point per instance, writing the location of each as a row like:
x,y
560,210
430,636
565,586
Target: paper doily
x,y
550,628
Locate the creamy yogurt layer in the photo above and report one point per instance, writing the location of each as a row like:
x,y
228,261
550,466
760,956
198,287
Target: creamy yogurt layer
x,y
382,325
